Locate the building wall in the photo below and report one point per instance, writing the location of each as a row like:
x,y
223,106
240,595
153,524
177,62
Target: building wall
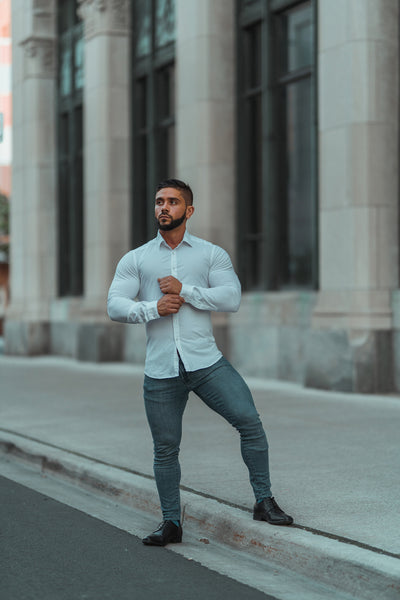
x,y
5,97
359,161
346,334
206,141
33,214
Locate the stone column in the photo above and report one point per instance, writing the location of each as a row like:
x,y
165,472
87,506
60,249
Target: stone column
x,y
205,112
33,217
107,134
106,113
351,346
205,117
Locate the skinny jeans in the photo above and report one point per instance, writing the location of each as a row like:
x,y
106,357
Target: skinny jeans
x,y
224,391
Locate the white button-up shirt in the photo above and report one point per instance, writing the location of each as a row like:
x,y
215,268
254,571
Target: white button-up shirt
x,y
209,283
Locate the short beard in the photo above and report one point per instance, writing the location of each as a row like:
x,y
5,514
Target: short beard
x,y
172,224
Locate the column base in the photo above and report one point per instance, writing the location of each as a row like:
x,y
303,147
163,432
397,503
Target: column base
x,y
95,342
100,343
26,338
350,361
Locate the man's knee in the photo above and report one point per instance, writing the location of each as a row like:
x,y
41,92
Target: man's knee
x,y
166,450
249,425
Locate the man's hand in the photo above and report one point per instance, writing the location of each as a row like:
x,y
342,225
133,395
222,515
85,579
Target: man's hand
x,y
170,285
169,304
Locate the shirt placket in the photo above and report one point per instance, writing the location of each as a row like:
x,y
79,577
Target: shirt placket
x,y
175,317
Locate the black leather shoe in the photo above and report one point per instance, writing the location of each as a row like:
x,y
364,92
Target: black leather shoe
x,y
167,533
269,511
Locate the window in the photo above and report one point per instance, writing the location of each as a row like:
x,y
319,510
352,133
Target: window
x,y
277,144
70,150
153,108
250,147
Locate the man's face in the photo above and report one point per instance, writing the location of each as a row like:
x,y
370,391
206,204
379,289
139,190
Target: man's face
x,y
170,209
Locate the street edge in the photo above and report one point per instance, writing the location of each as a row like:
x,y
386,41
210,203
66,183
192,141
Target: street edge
x,y
351,569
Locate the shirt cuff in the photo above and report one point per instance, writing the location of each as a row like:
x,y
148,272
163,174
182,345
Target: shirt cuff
x,y
152,311
186,291
142,312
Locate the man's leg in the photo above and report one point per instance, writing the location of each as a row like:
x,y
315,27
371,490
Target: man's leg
x,y
165,401
224,390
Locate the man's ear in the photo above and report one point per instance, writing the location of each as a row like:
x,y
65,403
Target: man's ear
x,y
189,211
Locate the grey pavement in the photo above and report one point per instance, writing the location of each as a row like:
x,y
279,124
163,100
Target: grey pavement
x,y
335,458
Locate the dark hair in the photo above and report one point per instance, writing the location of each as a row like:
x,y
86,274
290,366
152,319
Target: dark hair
x,y
178,185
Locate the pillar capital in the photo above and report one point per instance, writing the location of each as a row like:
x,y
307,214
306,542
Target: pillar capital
x,y
39,57
38,40
111,17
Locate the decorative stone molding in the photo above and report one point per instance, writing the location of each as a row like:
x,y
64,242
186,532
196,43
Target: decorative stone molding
x,y
43,8
39,57
43,18
110,17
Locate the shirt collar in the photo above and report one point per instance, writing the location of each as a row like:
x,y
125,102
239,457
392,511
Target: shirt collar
x,y
187,239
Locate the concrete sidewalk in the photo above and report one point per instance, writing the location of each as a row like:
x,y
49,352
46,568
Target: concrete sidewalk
x,y
335,461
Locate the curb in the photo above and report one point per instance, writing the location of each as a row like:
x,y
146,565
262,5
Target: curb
x,y
351,569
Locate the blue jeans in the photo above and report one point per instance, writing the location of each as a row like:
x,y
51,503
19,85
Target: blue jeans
x,y
222,389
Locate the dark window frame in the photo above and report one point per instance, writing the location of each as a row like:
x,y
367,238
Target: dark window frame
x,y
70,158
266,274
150,124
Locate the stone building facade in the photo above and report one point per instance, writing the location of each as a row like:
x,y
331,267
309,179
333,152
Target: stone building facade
x,y
5,98
281,114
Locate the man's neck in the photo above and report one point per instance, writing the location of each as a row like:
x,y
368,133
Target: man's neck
x,y
173,237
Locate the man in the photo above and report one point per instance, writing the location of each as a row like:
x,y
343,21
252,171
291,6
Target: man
x,y
172,284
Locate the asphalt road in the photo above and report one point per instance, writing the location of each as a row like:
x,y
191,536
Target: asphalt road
x,y
49,551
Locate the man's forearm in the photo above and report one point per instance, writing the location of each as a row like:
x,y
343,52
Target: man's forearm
x,y
220,299
125,310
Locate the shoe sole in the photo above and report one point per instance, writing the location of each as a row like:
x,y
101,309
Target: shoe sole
x,y
174,541
259,518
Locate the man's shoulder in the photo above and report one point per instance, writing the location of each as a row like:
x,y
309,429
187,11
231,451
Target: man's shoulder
x,y
144,247
213,251
131,257
202,242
